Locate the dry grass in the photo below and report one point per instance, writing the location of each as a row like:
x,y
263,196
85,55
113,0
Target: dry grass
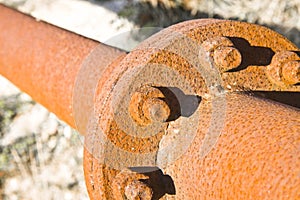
x,y
255,11
281,15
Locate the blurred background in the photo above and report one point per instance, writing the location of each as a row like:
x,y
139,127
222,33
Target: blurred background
x,y
40,156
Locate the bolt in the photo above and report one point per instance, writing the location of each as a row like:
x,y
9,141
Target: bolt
x,y
227,58
128,185
284,68
138,190
147,106
291,72
225,55
156,109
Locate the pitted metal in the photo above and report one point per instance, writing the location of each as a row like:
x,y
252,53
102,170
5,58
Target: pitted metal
x,y
284,69
224,54
128,185
214,142
148,105
233,55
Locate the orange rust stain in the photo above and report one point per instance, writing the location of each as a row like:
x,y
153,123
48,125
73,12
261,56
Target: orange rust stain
x,y
257,149
43,60
257,155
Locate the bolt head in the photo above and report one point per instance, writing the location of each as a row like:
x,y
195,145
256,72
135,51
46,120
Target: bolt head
x,y
137,190
227,58
291,72
157,110
284,68
147,106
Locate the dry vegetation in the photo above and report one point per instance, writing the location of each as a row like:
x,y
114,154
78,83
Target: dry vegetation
x,y
281,15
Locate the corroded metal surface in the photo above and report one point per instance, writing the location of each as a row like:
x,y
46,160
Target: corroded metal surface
x,y
284,68
43,60
247,157
169,120
256,157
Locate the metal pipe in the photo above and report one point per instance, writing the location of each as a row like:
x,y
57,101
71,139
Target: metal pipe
x,y
44,60
241,147
256,154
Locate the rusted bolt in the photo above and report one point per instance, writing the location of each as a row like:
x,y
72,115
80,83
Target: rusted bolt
x,y
225,55
291,72
147,105
128,185
156,109
227,58
284,68
137,190
274,129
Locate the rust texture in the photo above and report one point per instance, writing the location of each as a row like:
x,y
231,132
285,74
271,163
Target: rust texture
x,y
225,55
43,60
147,104
256,155
188,79
127,184
284,68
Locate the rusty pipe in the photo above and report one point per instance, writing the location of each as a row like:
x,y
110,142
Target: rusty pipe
x,y
249,152
257,151
44,60
257,157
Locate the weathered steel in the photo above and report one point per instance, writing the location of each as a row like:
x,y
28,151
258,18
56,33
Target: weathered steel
x,y
256,155
253,150
44,60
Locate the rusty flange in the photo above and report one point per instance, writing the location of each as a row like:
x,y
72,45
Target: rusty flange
x,y
227,147
172,110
